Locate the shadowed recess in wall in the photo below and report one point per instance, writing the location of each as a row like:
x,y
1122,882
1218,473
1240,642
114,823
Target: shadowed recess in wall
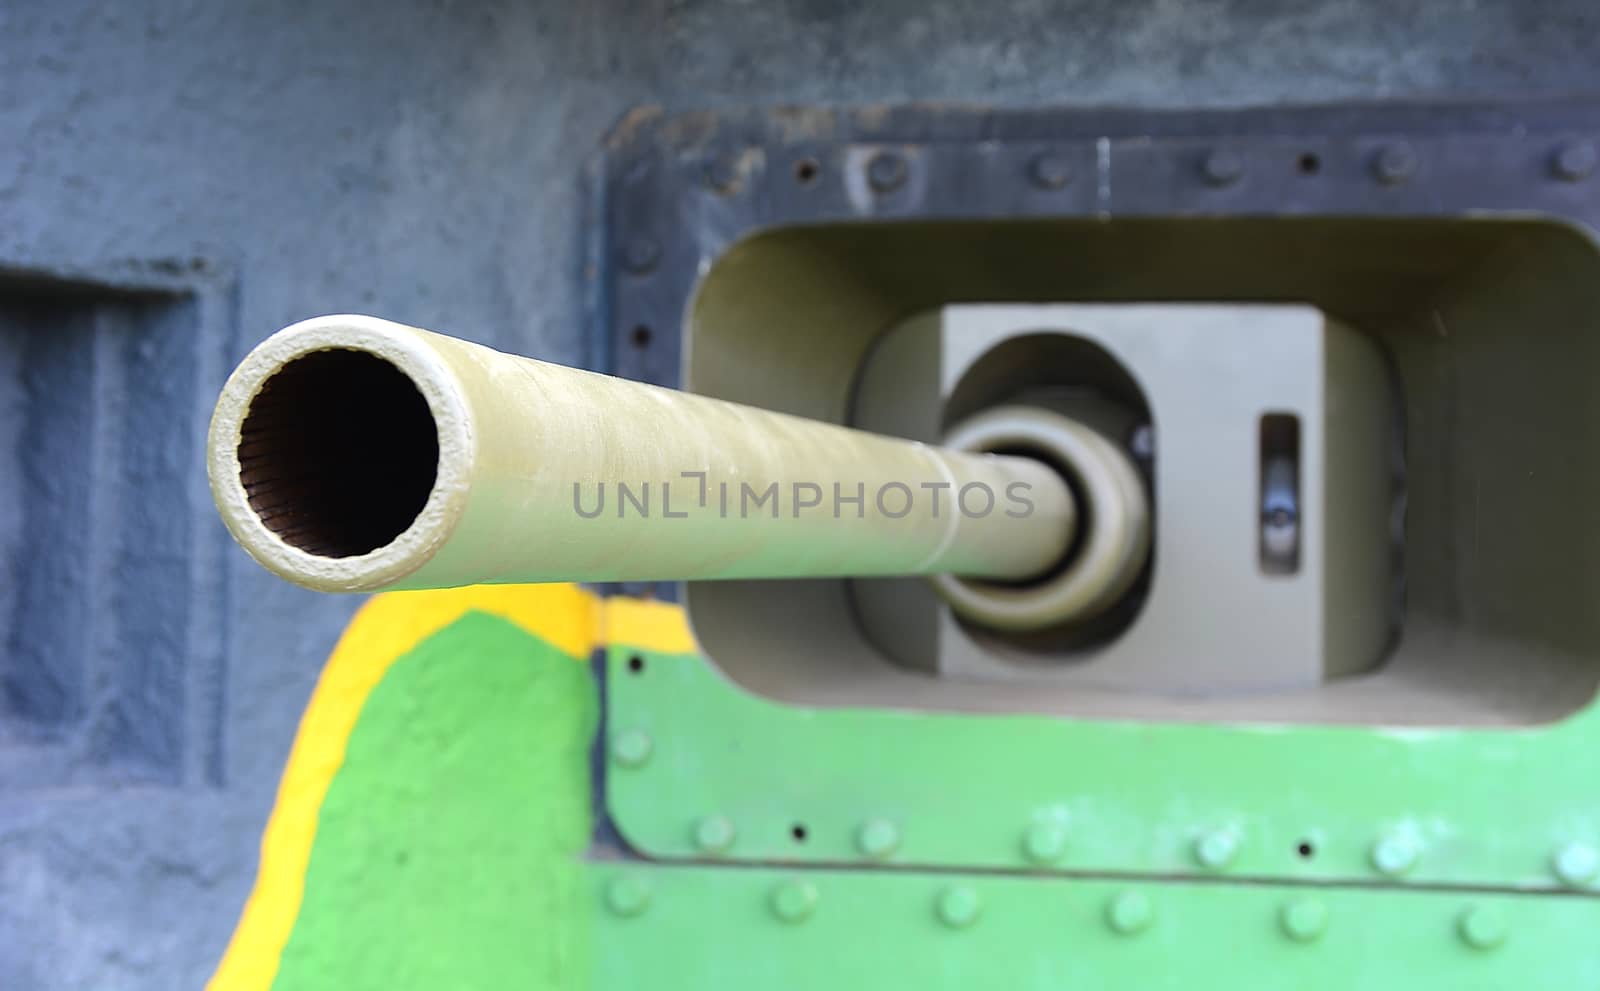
x,y
100,565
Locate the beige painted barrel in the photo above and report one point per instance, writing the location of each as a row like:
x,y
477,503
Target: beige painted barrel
x,y
349,453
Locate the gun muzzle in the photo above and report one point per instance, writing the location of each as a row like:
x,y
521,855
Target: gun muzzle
x,y
349,453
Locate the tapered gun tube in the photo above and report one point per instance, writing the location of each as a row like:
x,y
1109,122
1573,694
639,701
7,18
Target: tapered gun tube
x,y
348,453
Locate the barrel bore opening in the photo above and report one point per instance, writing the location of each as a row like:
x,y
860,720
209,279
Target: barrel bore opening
x,y
338,453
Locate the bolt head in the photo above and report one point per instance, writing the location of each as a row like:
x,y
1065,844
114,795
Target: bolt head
x,y
714,833
1130,913
794,901
959,906
627,896
1481,928
1395,854
1394,164
1575,160
1216,849
877,838
631,748
1050,170
886,171
1576,864
640,254
1222,168
1304,919
1045,842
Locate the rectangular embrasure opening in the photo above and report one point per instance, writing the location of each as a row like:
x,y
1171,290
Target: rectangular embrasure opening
x,y
1490,327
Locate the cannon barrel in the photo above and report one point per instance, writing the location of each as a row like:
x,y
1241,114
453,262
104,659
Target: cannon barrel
x,y
349,453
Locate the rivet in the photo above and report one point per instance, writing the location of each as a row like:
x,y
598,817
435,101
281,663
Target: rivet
x,y
1481,928
1576,864
1574,161
886,171
1045,842
1303,919
958,906
1394,854
631,748
640,254
1394,164
714,833
1130,913
627,896
877,838
794,901
722,173
1049,170
1216,849
1222,168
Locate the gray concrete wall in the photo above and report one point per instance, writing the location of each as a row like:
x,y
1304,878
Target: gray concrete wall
x,y
177,180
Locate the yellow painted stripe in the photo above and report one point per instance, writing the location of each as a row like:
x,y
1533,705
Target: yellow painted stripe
x,y
385,629
648,625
